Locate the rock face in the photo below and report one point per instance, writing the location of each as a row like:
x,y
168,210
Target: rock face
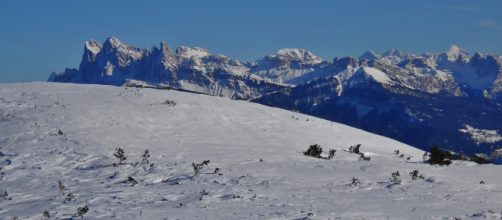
x,y
421,100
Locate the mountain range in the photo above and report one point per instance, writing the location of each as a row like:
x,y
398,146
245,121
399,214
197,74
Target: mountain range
x,y
450,99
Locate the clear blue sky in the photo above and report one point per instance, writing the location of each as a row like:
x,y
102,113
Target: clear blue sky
x,y
38,37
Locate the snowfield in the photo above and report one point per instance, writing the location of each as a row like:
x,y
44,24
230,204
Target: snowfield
x,y
53,132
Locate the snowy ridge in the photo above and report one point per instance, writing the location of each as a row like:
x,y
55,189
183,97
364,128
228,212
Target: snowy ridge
x,y
66,132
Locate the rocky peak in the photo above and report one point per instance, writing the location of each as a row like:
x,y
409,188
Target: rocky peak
x,y
112,42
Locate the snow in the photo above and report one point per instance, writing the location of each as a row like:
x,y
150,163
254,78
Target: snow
x,y
93,46
233,135
455,52
354,76
377,75
481,136
298,54
196,52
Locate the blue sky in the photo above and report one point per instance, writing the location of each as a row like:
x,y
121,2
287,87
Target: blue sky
x,y
38,37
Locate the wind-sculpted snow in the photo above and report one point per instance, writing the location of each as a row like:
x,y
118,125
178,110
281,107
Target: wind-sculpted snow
x,y
67,132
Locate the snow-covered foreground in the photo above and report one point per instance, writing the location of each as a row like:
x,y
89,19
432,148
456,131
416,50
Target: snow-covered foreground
x,y
234,136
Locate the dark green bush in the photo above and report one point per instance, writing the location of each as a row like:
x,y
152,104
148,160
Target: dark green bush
x,y
314,150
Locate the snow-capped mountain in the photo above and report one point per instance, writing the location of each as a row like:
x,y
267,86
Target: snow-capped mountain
x,y
393,93
192,69
290,66
59,143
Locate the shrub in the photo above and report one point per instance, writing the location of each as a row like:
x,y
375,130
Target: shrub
x,y
355,182
61,187
132,181
144,158
314,150
395,177
198,167
82,210
5,196
120,155
46,214
365,158
416,175
331,154
438,156
169,103
69,197
396,152
355,149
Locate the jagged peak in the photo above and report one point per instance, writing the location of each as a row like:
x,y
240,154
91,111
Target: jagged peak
x,y
112,42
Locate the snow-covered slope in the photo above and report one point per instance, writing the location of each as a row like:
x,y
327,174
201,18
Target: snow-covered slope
x,y
65,132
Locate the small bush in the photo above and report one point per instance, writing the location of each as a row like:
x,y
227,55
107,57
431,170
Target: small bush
x,y
355,149
69,197
132,181
396,152
331,154
197,167
395,178
416,175
81,211
438,156
169,103
365,158
5,196
61,187
314,150
120,155
46,214
355,182
144,158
